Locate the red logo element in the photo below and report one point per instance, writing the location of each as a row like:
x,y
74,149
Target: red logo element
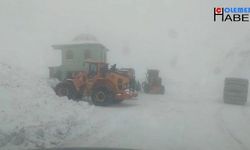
x,y
218,10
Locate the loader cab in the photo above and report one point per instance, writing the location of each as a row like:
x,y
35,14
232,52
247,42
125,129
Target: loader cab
x,y
93,69
96,68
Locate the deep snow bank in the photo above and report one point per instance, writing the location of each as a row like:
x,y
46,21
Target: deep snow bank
x,y
31,114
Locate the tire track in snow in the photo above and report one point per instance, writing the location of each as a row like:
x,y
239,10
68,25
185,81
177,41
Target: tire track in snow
x,y
101,126
245,113
122,126
227,131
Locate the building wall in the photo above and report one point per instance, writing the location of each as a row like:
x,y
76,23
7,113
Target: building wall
x,y
96,52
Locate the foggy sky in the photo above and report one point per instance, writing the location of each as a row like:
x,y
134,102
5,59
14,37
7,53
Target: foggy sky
x,y
177,37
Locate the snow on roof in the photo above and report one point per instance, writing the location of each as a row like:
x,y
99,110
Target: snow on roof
x,y
79,40
85,37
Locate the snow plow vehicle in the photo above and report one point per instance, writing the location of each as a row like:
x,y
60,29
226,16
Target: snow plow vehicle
x,y
153,83
103,85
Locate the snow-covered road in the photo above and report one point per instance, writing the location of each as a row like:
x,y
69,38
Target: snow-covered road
x,y
167,122
189,116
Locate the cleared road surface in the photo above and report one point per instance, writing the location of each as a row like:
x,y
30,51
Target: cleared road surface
x,y
167,122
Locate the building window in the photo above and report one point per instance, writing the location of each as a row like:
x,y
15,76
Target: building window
x,y
69,54
87,54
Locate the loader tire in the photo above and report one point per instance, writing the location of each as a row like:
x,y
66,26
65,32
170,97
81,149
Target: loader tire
x,y
101,96
235,91
79,96
66,89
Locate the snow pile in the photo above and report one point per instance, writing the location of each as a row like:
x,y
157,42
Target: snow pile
x,y
32,115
